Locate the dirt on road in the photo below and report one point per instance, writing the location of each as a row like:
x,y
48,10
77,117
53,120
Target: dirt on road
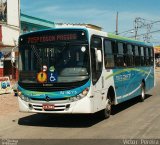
x,y
8,105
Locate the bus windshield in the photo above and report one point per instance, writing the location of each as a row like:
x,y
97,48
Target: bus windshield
x,y
54,63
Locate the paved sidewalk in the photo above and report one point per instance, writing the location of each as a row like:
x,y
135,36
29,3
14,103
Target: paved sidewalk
x,y
9,105
157,70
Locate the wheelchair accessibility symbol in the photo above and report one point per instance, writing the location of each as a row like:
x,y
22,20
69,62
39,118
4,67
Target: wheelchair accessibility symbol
x,y
53,77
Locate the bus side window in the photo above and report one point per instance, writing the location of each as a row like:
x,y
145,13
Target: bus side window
x,y
120,58
136,56
129,55
151,56
108,53
146,55
142,56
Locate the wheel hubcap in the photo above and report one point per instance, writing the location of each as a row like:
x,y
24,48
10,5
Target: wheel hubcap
x,y
108,107
143,92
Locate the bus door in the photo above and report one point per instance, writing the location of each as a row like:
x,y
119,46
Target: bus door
x,y
96,63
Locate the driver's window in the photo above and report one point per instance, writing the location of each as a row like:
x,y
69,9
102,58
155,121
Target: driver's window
x,y
96,44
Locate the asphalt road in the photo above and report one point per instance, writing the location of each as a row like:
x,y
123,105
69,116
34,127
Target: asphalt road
x,y
129,120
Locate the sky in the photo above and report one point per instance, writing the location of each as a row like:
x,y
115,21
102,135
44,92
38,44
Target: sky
x,y
97,12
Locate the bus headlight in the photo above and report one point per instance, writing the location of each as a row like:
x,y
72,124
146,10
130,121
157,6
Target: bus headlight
x,y
79,96
27,99
19,93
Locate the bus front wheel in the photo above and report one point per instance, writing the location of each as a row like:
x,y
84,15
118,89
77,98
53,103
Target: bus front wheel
x,y
106,112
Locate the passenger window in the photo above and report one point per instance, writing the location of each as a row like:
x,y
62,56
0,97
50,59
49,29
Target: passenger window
x,y
142,56
108,53
120,48
146,56
129,55
120,59
151,56
137,59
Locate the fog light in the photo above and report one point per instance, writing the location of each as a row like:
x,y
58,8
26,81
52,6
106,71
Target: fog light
x,y
67,106
30,106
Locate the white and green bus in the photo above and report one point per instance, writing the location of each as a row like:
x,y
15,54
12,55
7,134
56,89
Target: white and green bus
x,y
81,70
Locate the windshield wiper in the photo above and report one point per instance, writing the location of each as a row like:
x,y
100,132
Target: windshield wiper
x,y
39,59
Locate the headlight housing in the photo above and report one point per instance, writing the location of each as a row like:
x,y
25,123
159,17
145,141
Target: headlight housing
x,y
79,96
27,99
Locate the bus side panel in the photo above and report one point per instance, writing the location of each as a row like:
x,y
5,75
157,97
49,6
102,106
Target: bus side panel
x,y
131,84
118,81
150,80
128,82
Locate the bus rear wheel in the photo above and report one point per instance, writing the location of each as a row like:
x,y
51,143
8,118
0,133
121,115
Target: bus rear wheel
x,y
142,96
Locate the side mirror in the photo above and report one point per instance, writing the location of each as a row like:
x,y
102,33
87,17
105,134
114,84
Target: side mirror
x,y
12,57
98,54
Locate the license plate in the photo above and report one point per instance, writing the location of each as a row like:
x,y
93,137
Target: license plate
x,y
48,107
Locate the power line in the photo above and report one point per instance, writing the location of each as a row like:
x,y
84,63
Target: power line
x,y
146,33
144,25
126,31
150,23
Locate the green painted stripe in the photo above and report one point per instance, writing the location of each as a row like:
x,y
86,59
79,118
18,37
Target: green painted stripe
x,y
110,35
128,69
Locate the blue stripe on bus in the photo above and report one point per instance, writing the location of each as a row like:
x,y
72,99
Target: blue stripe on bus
x,y
55,95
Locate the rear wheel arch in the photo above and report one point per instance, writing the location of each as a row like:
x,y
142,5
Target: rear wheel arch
x,y
111,94
143,81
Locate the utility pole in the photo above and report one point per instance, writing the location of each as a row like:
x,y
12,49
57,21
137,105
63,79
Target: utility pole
x,y
117,24
136,27
140,23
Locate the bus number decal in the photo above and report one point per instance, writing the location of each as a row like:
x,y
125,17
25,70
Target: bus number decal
x,y
73,92
123,77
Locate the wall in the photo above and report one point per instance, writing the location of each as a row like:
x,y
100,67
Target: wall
x,y
1,68
13,12
10,35
30,23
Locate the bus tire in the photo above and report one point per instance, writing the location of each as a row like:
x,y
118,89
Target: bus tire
x,y
106,112
142,95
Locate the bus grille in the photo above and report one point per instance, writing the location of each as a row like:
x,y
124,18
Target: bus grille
x,y
51,99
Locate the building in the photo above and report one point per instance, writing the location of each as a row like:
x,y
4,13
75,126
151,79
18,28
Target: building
x,y
12,24
29,23
9,32
157,55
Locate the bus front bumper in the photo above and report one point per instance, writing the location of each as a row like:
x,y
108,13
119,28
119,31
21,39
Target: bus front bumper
x,y
84,105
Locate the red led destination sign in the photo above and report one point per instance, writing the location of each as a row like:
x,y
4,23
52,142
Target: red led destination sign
x,y
51,38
